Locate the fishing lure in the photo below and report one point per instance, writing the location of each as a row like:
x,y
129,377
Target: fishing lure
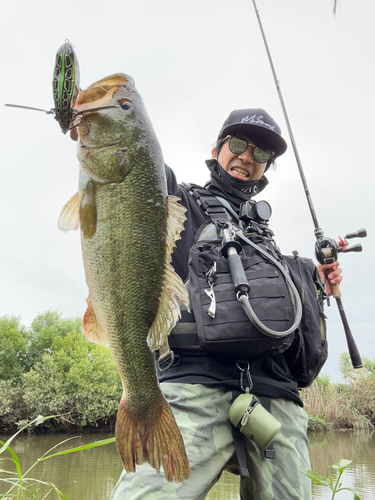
x,y
65,84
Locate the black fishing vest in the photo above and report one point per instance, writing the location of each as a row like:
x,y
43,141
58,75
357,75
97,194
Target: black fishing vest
x,y
230,330
218,322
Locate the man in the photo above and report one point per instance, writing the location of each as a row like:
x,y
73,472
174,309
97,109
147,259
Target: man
x,y
201,383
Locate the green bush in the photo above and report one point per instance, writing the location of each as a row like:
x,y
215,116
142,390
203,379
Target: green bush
x,y
324,382
57,372
13,349
77,379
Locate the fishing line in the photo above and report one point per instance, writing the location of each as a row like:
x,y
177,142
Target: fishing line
x,y
107,91
168,99
326,249
87,72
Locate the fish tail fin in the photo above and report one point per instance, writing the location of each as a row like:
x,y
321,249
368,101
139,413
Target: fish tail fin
x,y
154,438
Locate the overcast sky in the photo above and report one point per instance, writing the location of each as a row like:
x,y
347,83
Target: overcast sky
x,y
193,62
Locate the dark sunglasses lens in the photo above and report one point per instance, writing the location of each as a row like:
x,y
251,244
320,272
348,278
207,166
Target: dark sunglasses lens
x,y
261,156
237,146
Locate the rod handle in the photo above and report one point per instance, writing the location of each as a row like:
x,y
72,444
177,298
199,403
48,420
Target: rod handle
x,y
335,287
354,354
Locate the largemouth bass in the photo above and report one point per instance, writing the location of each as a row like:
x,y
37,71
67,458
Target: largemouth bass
x,y
128,230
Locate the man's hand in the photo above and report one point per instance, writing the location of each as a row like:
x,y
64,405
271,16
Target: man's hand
x,y
330,273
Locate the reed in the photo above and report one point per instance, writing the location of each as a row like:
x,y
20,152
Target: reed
x,y
333,406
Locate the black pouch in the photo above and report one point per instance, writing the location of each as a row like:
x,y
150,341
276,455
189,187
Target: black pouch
x,y
230,330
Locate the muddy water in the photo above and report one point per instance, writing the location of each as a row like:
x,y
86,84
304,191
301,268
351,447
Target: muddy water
x,y
92,474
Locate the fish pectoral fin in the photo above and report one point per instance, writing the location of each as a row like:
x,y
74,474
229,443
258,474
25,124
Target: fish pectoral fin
x,y
91,328
87,210
69,217
169,308
175,224
155,440
173,289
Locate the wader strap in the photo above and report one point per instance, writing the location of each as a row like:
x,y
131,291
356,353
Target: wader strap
x,y
239,445
208,203
270,451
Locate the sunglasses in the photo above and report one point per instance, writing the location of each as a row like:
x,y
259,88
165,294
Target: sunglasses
x,y
238,144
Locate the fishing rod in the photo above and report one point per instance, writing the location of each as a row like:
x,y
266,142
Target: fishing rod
x,y
326,249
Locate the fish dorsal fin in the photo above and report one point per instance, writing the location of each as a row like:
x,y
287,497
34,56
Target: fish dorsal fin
x,y
173,288
91,328
69,217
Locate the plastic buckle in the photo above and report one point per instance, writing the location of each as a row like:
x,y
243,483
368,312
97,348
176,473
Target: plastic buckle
x,y
171,360
270,453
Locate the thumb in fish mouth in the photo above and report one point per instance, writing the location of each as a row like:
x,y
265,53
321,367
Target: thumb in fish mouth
x,y
74,134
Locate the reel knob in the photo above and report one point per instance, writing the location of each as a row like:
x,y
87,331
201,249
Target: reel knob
x,y
354,248
361,233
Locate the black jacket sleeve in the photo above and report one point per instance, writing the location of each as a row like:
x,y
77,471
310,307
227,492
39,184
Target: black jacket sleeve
x,y
309,351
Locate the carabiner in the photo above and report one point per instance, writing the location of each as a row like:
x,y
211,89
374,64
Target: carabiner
x,y
243,370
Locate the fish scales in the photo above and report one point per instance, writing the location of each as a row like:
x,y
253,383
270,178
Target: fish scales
x,y
128,229
116,263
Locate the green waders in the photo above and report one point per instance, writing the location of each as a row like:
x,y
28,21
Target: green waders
x,y
201,413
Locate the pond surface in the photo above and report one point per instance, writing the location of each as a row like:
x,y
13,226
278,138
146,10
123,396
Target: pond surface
x,y
92,474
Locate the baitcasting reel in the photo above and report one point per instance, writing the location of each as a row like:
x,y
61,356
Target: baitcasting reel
x,y
326,249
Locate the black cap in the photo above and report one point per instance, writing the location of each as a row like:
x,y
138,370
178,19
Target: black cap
x,y
258,126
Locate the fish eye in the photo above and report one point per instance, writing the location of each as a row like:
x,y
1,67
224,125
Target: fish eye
x,y
125,104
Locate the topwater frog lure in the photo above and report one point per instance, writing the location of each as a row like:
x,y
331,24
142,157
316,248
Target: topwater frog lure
x,y
65,87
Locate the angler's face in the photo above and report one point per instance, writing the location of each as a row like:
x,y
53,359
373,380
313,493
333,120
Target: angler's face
x,y
240,166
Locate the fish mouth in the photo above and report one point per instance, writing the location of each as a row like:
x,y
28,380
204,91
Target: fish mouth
x,y
94,109
100,147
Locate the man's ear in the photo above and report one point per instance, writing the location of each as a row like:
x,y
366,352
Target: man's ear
x,y
213,153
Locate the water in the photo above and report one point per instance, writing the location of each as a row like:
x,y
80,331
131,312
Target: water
x,y
327,449
85,475
92,474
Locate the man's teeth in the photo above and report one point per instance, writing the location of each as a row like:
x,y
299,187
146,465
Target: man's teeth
x,y
240,172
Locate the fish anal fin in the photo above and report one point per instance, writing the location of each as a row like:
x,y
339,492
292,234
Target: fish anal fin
x,y
69,217
155,440
173,290
87,210
91,328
